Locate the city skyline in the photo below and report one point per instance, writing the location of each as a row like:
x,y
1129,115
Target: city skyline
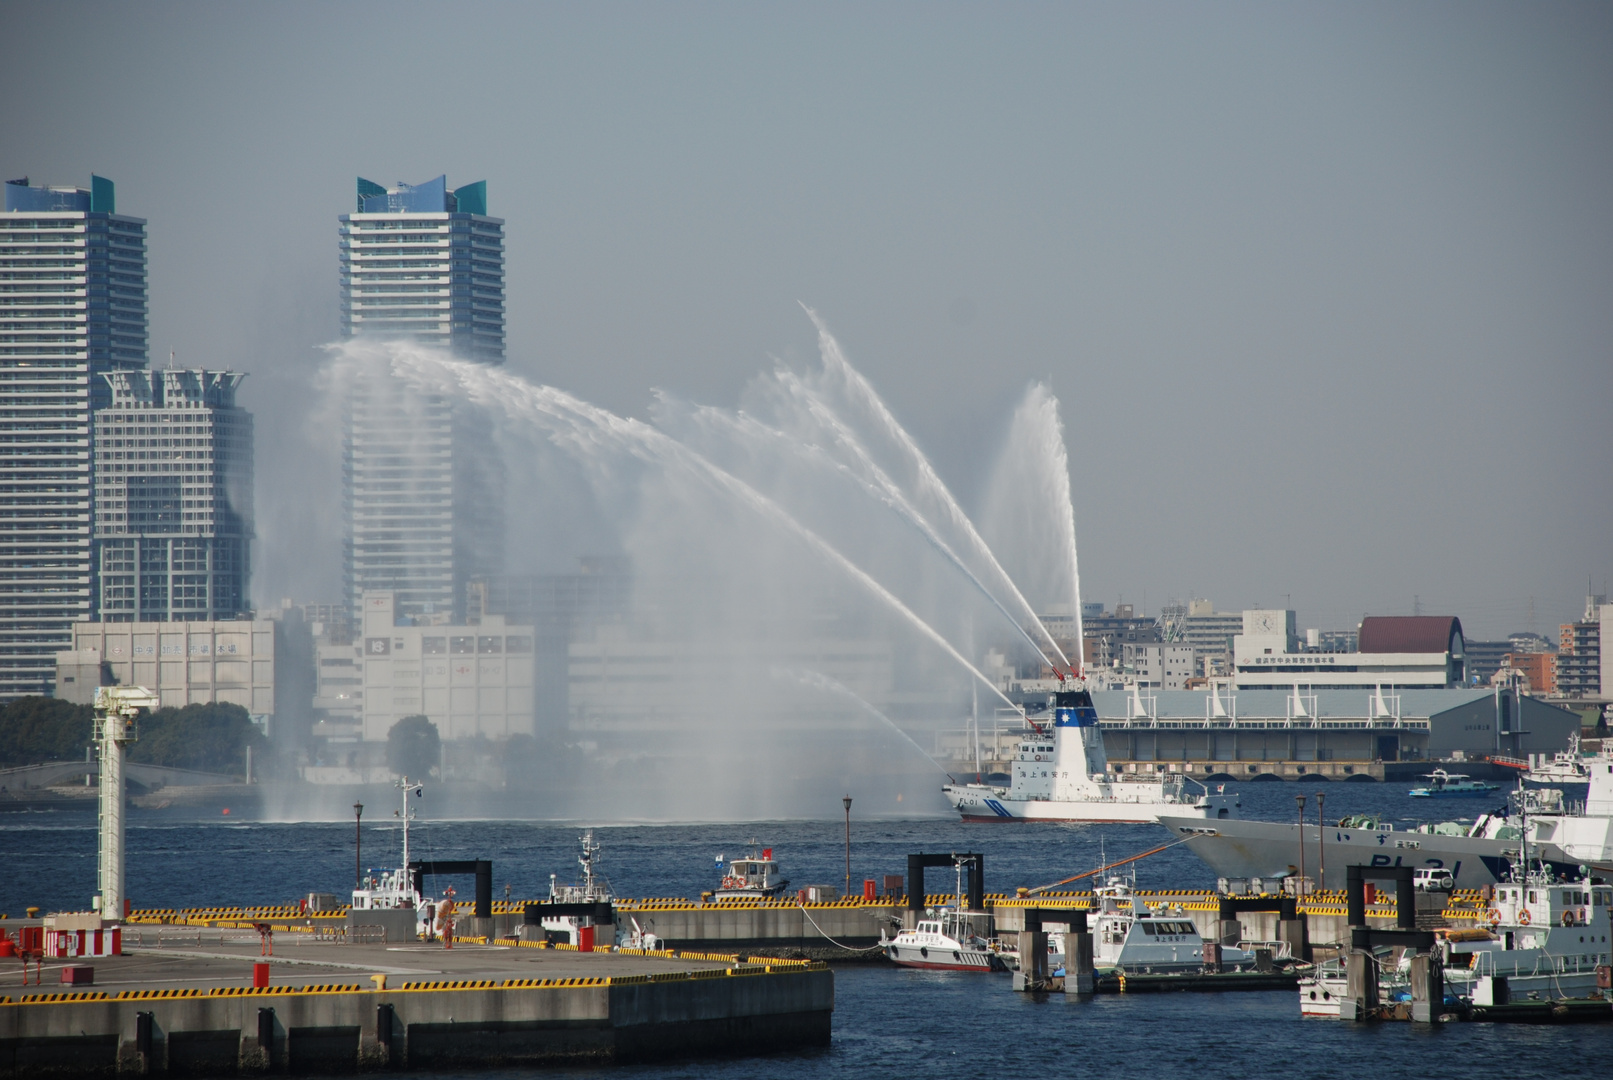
x,y
1351,352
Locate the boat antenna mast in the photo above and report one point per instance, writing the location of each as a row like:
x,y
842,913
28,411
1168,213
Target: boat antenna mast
x,y
405,813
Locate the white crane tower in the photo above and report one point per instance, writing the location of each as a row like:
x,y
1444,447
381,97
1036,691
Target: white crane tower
x,y
116,709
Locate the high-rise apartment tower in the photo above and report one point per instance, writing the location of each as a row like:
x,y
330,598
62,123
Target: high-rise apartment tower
x,y
173,497
420,263
73,306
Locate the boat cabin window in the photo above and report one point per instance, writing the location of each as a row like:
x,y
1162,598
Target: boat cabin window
x,y
1532,899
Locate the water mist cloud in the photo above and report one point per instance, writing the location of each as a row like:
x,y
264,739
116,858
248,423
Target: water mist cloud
x,y
806,533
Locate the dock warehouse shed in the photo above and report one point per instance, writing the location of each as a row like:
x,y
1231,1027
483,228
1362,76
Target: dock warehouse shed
x,y
1357,725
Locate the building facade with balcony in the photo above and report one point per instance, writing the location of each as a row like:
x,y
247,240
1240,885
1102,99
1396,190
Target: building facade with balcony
x,y
72,306
425,264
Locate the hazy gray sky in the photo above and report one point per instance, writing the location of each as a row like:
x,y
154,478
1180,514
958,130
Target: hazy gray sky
x,y
1324,289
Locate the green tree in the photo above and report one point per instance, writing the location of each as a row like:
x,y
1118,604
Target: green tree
x,y
39,729
211,737
413,747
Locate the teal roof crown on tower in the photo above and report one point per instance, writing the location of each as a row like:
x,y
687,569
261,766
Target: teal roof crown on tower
x,y
431,197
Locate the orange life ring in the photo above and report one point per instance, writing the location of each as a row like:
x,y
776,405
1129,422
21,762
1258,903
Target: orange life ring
x,y
1495,916
1523,917
1568,918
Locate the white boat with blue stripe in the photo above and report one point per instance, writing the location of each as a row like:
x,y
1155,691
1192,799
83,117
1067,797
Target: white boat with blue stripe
x,y
1061,773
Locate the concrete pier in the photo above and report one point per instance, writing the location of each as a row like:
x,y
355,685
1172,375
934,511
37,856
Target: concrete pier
x,y
842,932
191,1008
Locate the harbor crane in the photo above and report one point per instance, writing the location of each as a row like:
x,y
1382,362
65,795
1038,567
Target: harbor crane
x,y
117,710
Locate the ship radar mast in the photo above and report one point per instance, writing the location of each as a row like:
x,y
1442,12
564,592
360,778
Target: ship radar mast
x,y
406,813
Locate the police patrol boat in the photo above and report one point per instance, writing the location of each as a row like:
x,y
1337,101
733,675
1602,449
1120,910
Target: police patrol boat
x,y
1062,774
946,938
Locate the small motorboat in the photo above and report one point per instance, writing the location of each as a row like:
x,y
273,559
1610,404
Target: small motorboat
x,y
755,876
1447,785
947,938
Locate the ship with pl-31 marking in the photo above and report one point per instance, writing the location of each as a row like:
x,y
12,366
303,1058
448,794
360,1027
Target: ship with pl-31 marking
x,y
1563,836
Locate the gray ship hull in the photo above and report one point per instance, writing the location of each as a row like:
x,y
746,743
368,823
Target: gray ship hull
x,y
1268,849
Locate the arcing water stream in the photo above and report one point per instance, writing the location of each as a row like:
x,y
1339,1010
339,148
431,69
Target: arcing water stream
x,y
714,508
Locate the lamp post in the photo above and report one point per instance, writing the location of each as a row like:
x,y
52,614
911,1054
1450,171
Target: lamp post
x,y
1321,828
847,801
1300,799
358,846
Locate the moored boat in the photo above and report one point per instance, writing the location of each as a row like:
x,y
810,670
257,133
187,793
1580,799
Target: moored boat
x,y
1130,936
755,876
947,938
398,890
1542,938
1562,837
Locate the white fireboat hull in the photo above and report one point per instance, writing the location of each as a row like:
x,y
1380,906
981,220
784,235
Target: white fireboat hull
x,y
980,802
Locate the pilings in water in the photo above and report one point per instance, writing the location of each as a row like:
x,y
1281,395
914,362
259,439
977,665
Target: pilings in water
x,y
1361,998
1078,972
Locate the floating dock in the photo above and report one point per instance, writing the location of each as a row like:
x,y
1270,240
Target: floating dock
x,y
181,1000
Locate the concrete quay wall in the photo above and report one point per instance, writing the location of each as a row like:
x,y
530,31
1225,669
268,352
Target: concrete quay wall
x,y
837,932
432,1025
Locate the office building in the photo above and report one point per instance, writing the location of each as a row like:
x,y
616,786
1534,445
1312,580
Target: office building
x,y
1210,632
422,484
173,497
73,307
1485,658
186,663
1105,635
469,680
1158,665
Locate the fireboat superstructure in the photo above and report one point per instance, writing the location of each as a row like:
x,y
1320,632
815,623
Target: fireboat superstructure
x,y
1062,773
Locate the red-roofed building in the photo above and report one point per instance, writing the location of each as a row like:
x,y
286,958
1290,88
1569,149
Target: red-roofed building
x,y
1411,634
1407,651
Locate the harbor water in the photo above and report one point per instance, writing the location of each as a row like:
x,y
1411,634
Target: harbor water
x,y
888,1021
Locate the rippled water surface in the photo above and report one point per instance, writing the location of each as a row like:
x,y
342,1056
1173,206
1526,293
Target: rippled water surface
x,y
888,1022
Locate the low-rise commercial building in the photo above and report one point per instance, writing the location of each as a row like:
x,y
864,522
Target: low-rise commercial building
x,y
469,681
186,663
1158,666
1394,651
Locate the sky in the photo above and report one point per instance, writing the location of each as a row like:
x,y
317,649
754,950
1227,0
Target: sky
x,y
1325,291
